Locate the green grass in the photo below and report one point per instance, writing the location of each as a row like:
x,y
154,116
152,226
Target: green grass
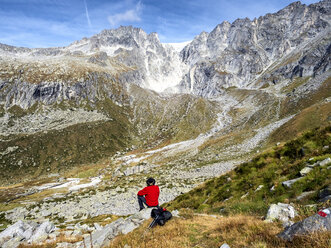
x,y
60,150
309,118
225,194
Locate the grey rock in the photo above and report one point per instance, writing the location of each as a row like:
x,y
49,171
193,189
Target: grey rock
x,y
234,54
77,233
175,213
20,228
65,245
12,243
127,227
325,199
305,171
304,195
325,192
259,188
97,226
42,231
144,214
225,245
245,195
281,211
26,231
325,162
68,233
290,182
101,238
313,165
315,223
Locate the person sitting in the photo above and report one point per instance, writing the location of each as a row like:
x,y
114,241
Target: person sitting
x,y
149,195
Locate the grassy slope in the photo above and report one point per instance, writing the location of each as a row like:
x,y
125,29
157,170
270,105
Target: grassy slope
x,y
206,231
58,150
240,224
269,169
292,107
311,117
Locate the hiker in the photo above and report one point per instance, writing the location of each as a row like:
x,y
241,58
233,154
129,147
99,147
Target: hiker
x,y
149,195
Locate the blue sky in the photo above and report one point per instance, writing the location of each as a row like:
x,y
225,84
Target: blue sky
x,y
48,23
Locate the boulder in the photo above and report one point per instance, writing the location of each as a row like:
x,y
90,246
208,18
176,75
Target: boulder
x,y
281,211
20,229
25,231
316,223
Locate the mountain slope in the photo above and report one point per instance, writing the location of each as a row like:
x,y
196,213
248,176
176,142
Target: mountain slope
x,y
242,82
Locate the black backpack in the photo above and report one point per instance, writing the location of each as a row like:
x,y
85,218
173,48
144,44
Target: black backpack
x,y
160,216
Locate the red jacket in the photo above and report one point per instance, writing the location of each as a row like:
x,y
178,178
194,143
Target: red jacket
x,y
151,194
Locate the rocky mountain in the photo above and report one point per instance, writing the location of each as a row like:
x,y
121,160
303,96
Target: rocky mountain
x,y
275,48
241,76
82,126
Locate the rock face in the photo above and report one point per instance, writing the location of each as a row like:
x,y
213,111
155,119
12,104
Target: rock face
x,y
315,223
293,42
126,55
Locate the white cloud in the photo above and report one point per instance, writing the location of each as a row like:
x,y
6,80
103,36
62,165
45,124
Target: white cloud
x,y
132,15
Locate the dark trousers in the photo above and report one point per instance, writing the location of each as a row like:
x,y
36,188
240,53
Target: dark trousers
x,y
142,201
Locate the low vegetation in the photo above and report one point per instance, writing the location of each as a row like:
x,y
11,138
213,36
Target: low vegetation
x,y
254,185
207,231
237,202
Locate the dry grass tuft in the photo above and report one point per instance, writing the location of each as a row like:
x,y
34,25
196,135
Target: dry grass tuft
x,y
208,231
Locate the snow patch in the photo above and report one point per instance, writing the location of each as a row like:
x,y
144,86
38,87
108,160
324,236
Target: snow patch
x,y
178,46
94,182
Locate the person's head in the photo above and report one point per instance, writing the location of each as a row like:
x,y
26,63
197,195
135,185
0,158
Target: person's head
x,y
150,181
